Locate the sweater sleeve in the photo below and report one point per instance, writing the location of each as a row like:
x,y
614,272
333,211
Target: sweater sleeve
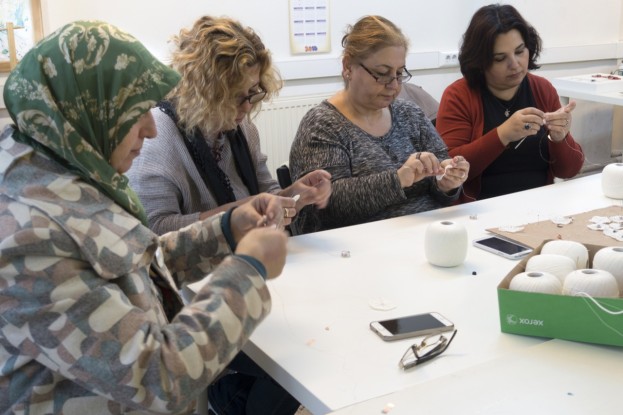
x,y
83,337
324,140
460,122
165,179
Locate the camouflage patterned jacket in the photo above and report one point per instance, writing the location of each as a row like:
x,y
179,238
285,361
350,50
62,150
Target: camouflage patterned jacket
x,y
82,327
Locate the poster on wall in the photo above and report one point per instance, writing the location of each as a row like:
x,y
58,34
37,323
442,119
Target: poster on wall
x,y
309,26
23,18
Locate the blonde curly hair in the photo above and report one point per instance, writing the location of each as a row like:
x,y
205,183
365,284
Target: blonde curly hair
x,y
214,57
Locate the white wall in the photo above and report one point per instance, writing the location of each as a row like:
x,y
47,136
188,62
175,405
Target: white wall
x,y
578,37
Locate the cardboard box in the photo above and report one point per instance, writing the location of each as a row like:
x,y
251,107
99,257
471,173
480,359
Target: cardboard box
x,y
590,83
559,316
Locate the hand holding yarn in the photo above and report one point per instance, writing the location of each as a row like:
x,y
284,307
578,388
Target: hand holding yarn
x,y
454,175
522,123
559,122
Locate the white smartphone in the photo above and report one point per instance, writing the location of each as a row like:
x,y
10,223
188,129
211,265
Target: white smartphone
x,y
411,326
503,247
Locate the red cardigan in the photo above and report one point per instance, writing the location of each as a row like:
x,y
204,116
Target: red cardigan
x,y
460,122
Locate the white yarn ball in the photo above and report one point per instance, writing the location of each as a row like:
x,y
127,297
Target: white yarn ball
x,y
536,282
612,180
445,243
594,282
574,250
611,259
559,265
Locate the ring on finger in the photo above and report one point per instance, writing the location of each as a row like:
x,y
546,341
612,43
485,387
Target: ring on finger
x,y
285,213
418,155
526,126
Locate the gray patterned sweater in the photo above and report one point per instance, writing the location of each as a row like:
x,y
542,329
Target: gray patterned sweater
x,y
364,168
82,326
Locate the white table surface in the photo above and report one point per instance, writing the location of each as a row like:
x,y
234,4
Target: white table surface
x,y
564,91
316,341
554,377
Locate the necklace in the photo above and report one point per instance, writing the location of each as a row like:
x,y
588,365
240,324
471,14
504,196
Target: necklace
x,y
511,103
217,147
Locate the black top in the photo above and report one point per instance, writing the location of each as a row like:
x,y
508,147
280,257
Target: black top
x,y
519,168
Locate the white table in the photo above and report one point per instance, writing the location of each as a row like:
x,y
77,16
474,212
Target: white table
x,y
611,98
554,377
316,341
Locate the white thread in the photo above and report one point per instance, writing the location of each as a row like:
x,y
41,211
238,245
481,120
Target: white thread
x,y
556,264
596,282
445,170
612,180
610,259
574,250
598,304
445,243
536,282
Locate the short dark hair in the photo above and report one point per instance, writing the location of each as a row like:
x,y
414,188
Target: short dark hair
x,y
476,52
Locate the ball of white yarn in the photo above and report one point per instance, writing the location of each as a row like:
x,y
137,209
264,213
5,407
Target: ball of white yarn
x,y
611,259
574,250
612,180
536,282
594,282
445,243
559,265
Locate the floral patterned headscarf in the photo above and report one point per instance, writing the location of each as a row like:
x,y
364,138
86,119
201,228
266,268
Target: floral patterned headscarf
x,y
77,93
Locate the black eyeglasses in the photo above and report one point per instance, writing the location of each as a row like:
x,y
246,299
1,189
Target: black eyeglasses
x,y
388,79
252,98
429,348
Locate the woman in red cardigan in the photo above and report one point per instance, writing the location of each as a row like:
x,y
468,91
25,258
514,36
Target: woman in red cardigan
x,y
506,122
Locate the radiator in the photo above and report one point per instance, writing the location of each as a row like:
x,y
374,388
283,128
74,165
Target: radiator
x,y
277,123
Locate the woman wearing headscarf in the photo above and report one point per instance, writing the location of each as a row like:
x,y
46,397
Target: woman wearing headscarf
x,y
90,316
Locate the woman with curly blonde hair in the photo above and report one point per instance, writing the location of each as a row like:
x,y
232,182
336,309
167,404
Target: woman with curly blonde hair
x,y
207,158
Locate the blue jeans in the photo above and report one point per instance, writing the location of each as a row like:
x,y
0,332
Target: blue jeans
x,y
249,391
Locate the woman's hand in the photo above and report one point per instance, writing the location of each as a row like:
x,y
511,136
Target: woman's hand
x,y
455,173
313,188
267,245
418,166
264,210
559,122
522,123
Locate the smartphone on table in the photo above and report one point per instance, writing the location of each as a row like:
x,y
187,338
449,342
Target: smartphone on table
x,y
502,246
411,326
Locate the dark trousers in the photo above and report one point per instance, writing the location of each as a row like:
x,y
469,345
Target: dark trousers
x,y
248,390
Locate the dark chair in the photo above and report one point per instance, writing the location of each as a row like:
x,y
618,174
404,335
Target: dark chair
x,y
285,180
283,176
423,99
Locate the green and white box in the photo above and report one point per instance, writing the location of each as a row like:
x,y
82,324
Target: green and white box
x,y
559,316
